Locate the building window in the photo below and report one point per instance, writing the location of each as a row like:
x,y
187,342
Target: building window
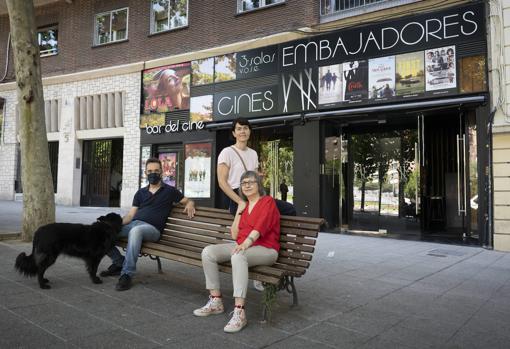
x,y
249,5
111,26
168,14
48,41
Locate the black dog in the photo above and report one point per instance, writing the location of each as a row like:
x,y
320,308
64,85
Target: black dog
x,y
89,242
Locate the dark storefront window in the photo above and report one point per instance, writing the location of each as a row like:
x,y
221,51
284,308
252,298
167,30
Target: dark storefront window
x,y
102,173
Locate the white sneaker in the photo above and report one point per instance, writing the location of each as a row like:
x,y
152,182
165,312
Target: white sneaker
x,y
258,285
213,306
237,322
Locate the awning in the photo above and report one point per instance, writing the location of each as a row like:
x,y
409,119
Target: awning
x,y
282,119
396,107
405,105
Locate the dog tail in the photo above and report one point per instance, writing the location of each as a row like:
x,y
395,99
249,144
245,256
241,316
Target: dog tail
x,y
26,264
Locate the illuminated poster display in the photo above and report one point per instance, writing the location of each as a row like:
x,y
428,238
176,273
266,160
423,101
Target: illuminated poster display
x,y
197,170
166,88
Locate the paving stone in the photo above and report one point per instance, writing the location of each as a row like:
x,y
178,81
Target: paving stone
x,y
334,335
114,339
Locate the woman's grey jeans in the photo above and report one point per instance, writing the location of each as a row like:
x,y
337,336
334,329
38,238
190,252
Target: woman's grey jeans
x,y
214,254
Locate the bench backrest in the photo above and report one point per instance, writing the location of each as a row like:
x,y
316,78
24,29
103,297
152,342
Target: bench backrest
x,y
212,226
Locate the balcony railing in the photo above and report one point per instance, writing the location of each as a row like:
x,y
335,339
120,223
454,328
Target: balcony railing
x,y
337,9
329,7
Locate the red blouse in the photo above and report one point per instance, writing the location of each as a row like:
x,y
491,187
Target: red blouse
x,y
264,218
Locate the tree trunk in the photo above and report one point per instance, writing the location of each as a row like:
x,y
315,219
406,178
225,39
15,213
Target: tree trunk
x,y
38,194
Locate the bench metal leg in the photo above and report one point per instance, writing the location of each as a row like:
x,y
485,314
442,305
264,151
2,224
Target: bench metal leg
x,y
288,284
160,270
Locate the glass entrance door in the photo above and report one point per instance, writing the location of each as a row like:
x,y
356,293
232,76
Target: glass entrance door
x,y
383,179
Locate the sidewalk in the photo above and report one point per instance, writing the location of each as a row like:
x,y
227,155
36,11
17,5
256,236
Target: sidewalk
x,y
11,216
360,292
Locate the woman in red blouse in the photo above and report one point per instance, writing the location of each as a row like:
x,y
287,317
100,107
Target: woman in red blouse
x,y
256,229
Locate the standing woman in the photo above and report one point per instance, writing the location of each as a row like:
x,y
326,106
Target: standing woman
x,y
256,229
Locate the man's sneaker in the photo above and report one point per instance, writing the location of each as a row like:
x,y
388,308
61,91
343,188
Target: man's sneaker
x,y
213,306
124,283
113,270
237,322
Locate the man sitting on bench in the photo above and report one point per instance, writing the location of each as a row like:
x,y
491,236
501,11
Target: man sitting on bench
x,y
144,222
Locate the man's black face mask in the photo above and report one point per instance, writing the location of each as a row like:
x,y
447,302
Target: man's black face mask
x,y
154,178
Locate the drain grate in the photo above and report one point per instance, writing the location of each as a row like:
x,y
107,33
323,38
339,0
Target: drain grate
x,y
438,252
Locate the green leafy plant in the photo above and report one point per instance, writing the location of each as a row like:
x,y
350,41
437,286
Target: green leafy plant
x,y
269,299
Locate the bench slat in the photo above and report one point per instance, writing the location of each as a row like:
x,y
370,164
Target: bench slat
x,y
203,213
295,239
290,268
296,255
192,233
301,225
212,239
293,262
296,247
299,232
218,221
198,225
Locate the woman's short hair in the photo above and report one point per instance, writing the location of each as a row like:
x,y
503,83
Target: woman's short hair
x,y
258,179
240,121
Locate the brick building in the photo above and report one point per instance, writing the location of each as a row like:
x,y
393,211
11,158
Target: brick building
x,y
375,112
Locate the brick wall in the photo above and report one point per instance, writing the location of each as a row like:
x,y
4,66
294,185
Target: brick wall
x,y
211,24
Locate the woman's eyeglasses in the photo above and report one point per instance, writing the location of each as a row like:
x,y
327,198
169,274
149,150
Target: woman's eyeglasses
x,y
247,183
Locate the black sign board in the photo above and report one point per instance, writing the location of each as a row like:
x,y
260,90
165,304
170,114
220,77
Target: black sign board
x,y
412,33
247,103
257,62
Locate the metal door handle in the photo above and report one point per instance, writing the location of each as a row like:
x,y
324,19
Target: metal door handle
x,y
461,204
417,160
464,182
458,176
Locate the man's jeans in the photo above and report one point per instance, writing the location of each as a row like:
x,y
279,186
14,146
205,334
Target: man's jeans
x,y
136,232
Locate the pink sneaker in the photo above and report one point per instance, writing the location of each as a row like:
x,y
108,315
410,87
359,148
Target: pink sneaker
x,y
237,322
213,306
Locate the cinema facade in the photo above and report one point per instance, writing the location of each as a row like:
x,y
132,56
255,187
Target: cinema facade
x,y
380,129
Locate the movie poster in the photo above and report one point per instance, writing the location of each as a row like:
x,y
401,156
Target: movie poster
x,y
410,75
197,170
330,84
381,78
145,154
166,88
202,71
225,67
168,164
440,69
355,84
201,108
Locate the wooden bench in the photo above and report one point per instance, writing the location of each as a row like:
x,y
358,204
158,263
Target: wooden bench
x,y
183,240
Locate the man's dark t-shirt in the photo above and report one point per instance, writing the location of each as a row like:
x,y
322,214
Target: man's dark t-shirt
x,y
154,208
